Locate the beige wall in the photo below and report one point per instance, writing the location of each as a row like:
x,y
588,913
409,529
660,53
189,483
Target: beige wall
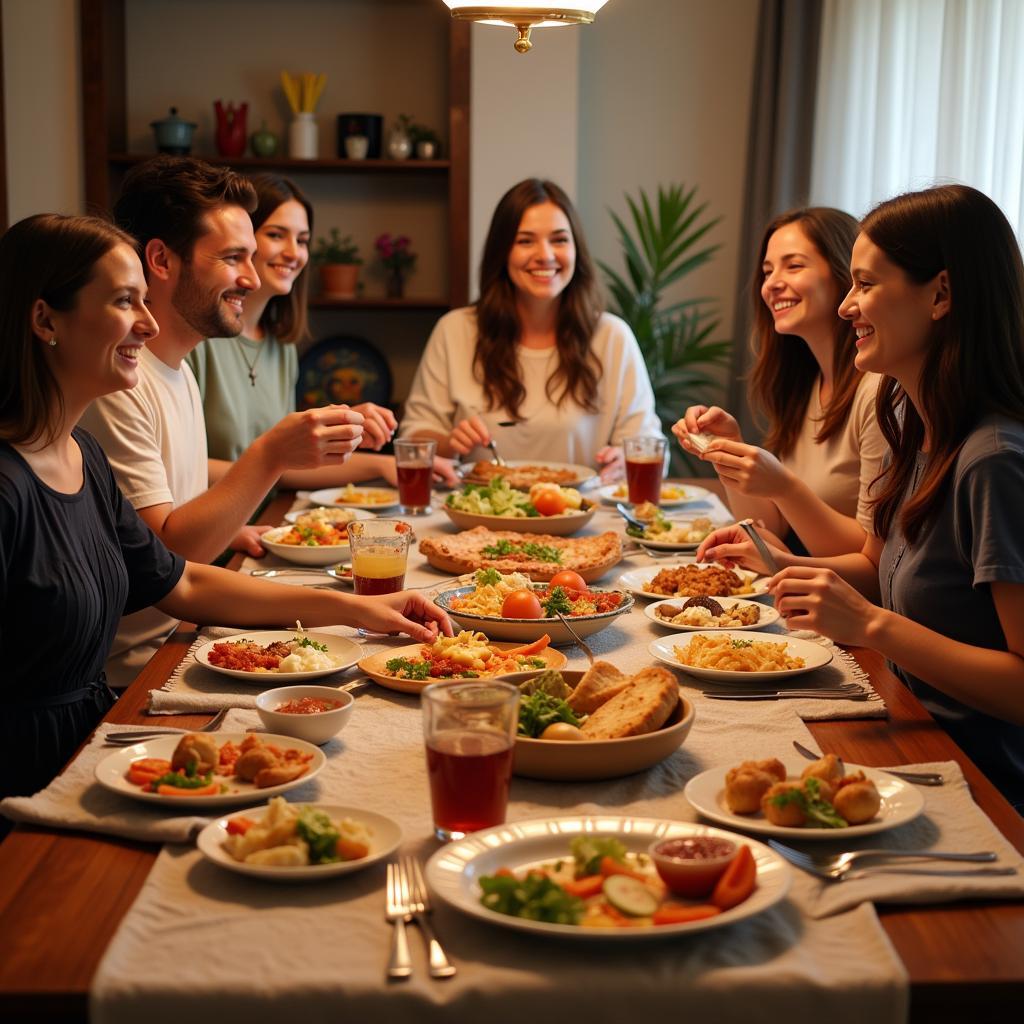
x,y
42,107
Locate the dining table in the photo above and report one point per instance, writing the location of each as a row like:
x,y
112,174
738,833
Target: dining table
x,y
65,894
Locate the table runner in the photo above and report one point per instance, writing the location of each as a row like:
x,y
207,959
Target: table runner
x,y
201,939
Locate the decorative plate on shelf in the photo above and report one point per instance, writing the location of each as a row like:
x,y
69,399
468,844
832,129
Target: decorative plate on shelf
x,y
343,370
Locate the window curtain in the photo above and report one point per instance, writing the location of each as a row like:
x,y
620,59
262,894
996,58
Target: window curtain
x,y
778,155
917,92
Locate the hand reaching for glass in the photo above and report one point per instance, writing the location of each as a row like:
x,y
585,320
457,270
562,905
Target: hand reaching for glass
x,y
611,462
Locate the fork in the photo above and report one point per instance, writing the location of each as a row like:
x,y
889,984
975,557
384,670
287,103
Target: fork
x,y
833,693
579,643
127,739
835,867
419,904
498,460
921,778
397,912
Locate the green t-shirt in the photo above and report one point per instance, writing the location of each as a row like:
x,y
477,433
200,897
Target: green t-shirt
x,y
238,409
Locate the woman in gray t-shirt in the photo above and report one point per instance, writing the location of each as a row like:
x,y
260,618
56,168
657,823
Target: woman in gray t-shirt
x,y
938,306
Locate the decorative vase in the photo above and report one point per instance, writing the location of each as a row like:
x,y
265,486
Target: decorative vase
x,y
231,134
396,283
426,149
264,143
303,141
399,144
339,280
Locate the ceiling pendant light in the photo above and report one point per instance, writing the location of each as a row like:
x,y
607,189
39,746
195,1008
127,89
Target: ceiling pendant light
x,y
524,15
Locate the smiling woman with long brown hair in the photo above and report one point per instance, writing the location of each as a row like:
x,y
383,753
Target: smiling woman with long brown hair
x,y
536,353
937,304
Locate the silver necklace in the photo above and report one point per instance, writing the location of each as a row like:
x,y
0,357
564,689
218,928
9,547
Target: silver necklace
x,y
252,365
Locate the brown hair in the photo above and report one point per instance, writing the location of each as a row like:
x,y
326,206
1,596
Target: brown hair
x,y
974,364
168,196
286,316
51,257
579,308
785,370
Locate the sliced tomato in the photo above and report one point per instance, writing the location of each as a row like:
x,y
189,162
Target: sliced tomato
x,y
738,882
675,913
239,826
589,885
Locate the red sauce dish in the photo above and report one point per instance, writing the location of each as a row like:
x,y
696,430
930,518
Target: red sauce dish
x,y
691,865
307,706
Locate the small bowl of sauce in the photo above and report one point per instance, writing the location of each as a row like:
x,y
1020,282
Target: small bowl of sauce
x,y
691,865
311,713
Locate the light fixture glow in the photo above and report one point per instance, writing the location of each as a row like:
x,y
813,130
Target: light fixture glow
x,y
524,15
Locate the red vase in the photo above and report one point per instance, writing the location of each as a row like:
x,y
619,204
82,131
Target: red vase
x,y
231,134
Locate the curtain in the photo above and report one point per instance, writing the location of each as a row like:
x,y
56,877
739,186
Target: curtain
x,y
917,92
778,155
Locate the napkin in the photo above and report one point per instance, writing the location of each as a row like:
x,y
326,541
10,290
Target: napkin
x,y
952,822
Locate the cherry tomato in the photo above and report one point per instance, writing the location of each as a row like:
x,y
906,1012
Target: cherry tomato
x,y
521,604
550,502
571,582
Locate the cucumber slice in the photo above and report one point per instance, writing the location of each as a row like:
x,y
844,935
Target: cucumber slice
x,y
629,896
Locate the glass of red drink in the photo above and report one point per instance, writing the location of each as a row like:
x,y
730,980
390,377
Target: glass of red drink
x,y
645,467
380,550
414,461
470,732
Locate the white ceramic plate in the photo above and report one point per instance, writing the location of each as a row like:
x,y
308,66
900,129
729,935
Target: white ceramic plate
x,y
345,653
815,656
384,497
901,802
528,630
664,545
767,616
581,474
453,871
111,771
301,554
690,493
636,581
357,513
384,839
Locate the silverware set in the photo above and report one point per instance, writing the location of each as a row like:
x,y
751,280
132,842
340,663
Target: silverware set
x,y
836,867
129,739
844,691
407,900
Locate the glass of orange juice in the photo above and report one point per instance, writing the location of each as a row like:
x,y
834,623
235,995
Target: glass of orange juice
x,y
380,552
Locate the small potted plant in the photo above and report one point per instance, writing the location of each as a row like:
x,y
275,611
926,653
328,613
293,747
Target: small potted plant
x,y
425,142
339,263
397,259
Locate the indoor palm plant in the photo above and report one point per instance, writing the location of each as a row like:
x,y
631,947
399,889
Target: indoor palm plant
x,y
665,244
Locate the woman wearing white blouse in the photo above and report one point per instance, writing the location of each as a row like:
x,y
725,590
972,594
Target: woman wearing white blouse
x,y
535,364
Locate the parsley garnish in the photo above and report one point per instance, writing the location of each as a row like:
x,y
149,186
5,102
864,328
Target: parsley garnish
x,y
306,642
557,601
405,669
542,552
742,643
487,577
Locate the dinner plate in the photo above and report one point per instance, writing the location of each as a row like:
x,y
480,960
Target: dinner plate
x,y
581,474
527,630
373,665
767,616
591,760
901,802
556,526
111,771
302,554
815,655
664,545
453,871
357,513
636,582
384,497
344,651
385,836
614,493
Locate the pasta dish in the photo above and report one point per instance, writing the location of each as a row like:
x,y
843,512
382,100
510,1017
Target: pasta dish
x,y
729,655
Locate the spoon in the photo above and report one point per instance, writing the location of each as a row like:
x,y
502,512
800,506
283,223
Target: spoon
x,y
336,570
579,643
629,517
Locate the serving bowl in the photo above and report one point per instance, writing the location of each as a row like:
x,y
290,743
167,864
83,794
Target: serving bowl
x,y
301,554
561,525
317,727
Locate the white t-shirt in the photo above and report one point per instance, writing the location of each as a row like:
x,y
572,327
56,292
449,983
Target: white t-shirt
x,y
155,439
445,391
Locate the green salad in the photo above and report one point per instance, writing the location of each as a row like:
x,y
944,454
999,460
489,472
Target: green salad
x,y
493,499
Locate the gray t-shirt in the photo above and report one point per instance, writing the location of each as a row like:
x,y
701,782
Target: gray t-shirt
x,y
942,582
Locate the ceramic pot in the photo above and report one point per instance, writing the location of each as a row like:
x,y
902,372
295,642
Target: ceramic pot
x,y
399,144
303,138
339,280
370,125
231,134
356,147
173,134
264,143
426,149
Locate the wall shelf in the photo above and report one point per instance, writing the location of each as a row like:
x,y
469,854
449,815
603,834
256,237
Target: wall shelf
x,y
329,166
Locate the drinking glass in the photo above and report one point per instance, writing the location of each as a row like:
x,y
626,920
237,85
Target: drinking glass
x,y
414,461
645,467
380,551
470,731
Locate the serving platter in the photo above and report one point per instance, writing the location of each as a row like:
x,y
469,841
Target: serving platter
x,y
453,871
611,494
815,656
385,837
111,771
901,802
557,526
767,615
637,581
344,651
384,497
527,630
374,666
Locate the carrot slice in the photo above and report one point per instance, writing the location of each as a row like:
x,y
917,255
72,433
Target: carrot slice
x,y
674,913
610,866
348,849
165,790
738,881
535,648
589,885
239,826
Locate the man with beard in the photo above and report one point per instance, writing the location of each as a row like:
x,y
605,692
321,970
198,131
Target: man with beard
x,y
196,242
